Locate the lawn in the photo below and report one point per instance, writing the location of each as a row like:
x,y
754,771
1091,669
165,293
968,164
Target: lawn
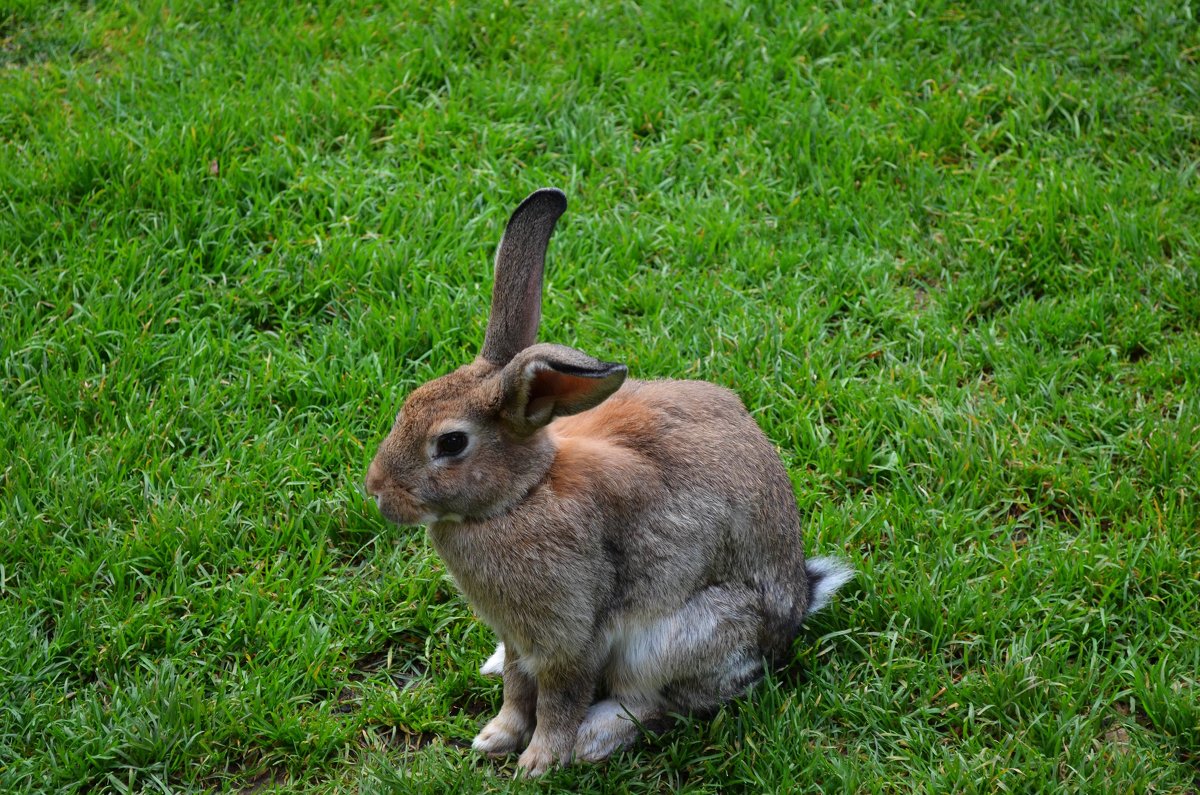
x,y
946,252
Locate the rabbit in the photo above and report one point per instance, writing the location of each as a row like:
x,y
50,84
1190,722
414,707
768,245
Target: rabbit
x,y
635,545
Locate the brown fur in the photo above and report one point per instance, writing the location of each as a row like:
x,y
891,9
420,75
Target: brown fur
x,y
633,540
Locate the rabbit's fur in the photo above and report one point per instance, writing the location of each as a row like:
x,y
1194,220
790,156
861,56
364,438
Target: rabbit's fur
x,y
632,541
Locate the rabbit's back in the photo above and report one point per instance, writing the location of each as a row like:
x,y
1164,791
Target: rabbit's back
x,y
709,500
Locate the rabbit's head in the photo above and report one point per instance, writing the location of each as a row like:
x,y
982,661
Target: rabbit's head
x,y
471,444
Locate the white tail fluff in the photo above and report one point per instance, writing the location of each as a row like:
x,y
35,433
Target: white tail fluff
x,y
825,576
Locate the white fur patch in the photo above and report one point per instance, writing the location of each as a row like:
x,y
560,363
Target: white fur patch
x,y
648,651
495,664
826,576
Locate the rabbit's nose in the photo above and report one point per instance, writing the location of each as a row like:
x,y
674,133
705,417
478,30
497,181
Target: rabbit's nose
x,y
375,480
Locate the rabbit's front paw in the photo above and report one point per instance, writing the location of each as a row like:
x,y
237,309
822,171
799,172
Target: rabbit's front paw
x,y
537,759
504,734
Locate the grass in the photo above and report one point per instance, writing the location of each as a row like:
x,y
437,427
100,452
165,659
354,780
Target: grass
x,y
946,252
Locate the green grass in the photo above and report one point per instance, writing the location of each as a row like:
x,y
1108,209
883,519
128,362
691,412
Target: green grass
x,y
946,252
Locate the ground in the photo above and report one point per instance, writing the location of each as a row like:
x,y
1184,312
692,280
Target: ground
x,y
946,252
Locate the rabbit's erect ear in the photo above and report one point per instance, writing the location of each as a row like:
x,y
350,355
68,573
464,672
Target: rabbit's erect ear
x,y
547,381
517,293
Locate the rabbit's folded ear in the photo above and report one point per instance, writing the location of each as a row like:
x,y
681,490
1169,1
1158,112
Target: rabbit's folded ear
x,y
517,292
547,381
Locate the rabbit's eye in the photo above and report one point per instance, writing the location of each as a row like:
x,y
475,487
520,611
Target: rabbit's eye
x,y
449,444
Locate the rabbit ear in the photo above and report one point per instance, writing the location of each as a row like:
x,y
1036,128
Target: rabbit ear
x,y
517,293
547,381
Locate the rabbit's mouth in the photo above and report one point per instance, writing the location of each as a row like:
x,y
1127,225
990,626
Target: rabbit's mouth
x,y
400,511
396,503
399,507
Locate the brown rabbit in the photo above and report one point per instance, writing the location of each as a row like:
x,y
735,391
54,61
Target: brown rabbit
x,y
632,541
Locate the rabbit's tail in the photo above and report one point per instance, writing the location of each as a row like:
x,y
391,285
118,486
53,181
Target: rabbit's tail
x,y
825,576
